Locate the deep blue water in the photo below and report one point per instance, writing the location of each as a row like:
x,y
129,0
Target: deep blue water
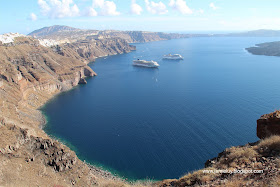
x,y
161,123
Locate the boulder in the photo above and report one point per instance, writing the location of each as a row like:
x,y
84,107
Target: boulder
x,y
82,81
268,124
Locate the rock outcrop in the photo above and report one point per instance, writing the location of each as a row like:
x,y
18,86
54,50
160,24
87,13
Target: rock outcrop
x,y
268,125
26,160
254,164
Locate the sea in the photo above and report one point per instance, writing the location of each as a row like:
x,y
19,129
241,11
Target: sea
x,y
157,123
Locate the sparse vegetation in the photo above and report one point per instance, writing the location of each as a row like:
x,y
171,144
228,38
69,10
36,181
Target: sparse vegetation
x,y
269,145
262,157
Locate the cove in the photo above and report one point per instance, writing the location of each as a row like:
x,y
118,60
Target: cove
x,y
162,123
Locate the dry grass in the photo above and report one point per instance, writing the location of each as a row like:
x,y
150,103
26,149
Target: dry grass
x,y
235,183
241,153
240,182
275,182
235,156
199,177
269,144
241,158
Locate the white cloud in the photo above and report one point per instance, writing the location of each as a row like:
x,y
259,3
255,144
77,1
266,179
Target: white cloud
x,y
33,17
135,8
156,8
90,12
45,8
181,6
107,8
97,3
213,6
58,8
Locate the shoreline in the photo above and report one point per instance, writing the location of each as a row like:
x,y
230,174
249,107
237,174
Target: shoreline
x,y
101,171
104,173
22,120
107,172
96,166
97,170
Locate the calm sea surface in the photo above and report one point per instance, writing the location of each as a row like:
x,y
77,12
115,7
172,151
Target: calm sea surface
x,y
161,123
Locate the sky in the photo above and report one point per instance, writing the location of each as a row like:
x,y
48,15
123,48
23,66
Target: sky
x,y
24,16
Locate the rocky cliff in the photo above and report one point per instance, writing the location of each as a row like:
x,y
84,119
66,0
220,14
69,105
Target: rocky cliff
x,y
68,34
31,74
268,125
91,49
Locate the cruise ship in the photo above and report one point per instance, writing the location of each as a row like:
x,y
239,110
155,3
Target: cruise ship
x,y
144,63
173,57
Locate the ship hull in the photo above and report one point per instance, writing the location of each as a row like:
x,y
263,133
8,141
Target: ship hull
x,y
144,65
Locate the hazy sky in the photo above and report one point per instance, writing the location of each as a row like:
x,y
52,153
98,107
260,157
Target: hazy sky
x,y
25,16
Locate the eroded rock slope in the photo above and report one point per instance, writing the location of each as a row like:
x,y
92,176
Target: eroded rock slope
x,y
30,74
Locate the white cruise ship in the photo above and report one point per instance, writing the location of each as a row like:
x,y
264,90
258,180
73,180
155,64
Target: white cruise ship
x,y
173,57
144,63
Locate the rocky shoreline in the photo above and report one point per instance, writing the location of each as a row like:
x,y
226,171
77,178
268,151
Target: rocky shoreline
x,y
103,173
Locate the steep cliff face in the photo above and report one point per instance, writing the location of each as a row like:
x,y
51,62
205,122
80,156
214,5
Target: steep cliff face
x,y
91,49
268,125
30,74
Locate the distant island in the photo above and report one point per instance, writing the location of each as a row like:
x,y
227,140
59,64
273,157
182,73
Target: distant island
x,y
255,33
267,49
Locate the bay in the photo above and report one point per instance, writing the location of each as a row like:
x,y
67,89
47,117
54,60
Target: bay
x,y
162,123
